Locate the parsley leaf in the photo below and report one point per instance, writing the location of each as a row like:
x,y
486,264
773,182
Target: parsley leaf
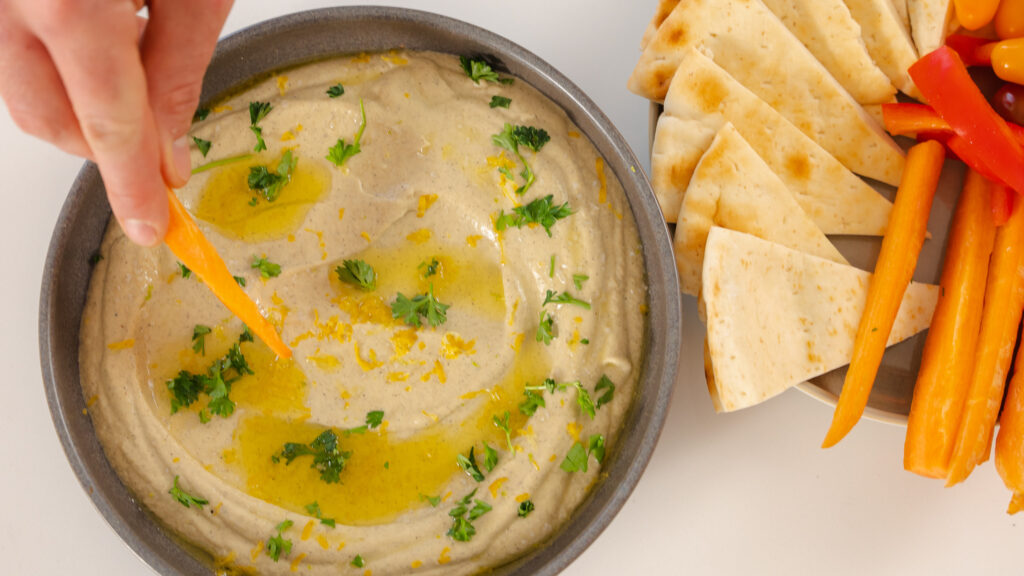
x,y
374,418
479,69
199,339
585,402
203,145
525,508
462,529
358,273
201,114
425,305
185,271
564,298
429,269
336,90
358,561
604,383
546,327
257,112
540,211
503,425
510,138
246,335
328,459
239,280
269,184
184,498
341,152
314,511
533,401
500,101
469,466
278,545
579,279
532,138
184,389
434,501
579,455
490,457
267,268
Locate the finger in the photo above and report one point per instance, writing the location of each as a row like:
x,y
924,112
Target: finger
x,y
37,101
176,50
93,45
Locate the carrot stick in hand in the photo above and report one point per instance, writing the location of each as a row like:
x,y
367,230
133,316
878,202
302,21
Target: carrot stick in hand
x,y
1004,302
948,358
901,245
193,249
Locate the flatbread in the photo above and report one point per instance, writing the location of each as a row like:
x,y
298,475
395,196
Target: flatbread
x,y
702,98
930,23
828,30
749,42
887,40
777,317
732,187
901,8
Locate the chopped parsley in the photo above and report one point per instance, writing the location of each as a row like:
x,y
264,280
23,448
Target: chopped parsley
x,y
540,211
203,145
579,279
503,425
546,327
328,459
511,138
500,101
525,508
186,386
564,298
219,163
357,273
314,511
257,112
534,398
431,269
268,184
469,466
201,114
185,271
374,419
239,280
358,561
278,545
267,268
184,498
608,386
246,335
421,305
533,401
579,455
462,529
336,90
479,69
490,457
199,339
341,151
434,501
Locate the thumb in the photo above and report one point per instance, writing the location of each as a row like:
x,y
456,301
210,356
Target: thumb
x,y
176,49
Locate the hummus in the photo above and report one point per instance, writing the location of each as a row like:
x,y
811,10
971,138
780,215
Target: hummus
x,y
428,199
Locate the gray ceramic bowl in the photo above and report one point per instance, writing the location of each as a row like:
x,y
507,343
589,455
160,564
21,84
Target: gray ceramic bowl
x,y
292,40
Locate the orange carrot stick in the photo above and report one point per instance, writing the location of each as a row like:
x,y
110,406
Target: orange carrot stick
x,y
1010,441
948,358
193,249
901,245
1004,302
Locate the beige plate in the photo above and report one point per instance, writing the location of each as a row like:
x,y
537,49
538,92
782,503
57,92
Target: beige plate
x,y
894,386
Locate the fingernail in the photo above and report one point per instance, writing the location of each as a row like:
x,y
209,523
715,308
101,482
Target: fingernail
x,y
182,158
141,232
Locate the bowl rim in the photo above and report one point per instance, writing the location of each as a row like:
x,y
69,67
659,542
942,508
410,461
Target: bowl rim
x,y
660,362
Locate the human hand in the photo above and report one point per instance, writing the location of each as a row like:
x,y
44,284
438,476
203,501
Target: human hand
x,y
98,81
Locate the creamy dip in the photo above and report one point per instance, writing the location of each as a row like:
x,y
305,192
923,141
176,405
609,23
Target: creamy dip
x,y
420,203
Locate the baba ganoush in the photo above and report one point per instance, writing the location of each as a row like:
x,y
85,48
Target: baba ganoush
x,y
461,282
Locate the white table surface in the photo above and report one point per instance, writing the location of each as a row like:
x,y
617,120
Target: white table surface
x,y
745,493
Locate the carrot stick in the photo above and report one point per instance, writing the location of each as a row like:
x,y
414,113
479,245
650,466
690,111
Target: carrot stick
x,y
193,249
901,245
948,357
1004,302
1010,441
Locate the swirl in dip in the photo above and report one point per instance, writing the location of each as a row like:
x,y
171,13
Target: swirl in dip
x,y
355,455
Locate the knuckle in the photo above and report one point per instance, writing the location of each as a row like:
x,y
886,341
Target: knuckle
x,y
54,15
177,105
110,132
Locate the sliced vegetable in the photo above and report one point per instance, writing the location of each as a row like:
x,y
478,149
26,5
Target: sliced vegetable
x,y
1008,60
901,246
1009,458
975,14
944,81
973,50
187,242
1002,203
1009,20
1004,301
948,357
1008,102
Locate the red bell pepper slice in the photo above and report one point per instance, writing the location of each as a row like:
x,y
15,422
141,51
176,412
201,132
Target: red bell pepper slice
x,y
943,80
972,50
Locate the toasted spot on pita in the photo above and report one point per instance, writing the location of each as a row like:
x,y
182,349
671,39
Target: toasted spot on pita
x,y
798,167
710,94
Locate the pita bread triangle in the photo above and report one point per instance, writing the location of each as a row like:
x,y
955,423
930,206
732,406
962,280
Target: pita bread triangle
x,y
901,9
930,22
732,187
752,44
702,98
777,317
887,40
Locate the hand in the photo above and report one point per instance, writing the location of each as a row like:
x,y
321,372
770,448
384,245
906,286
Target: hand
x,y
102,83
